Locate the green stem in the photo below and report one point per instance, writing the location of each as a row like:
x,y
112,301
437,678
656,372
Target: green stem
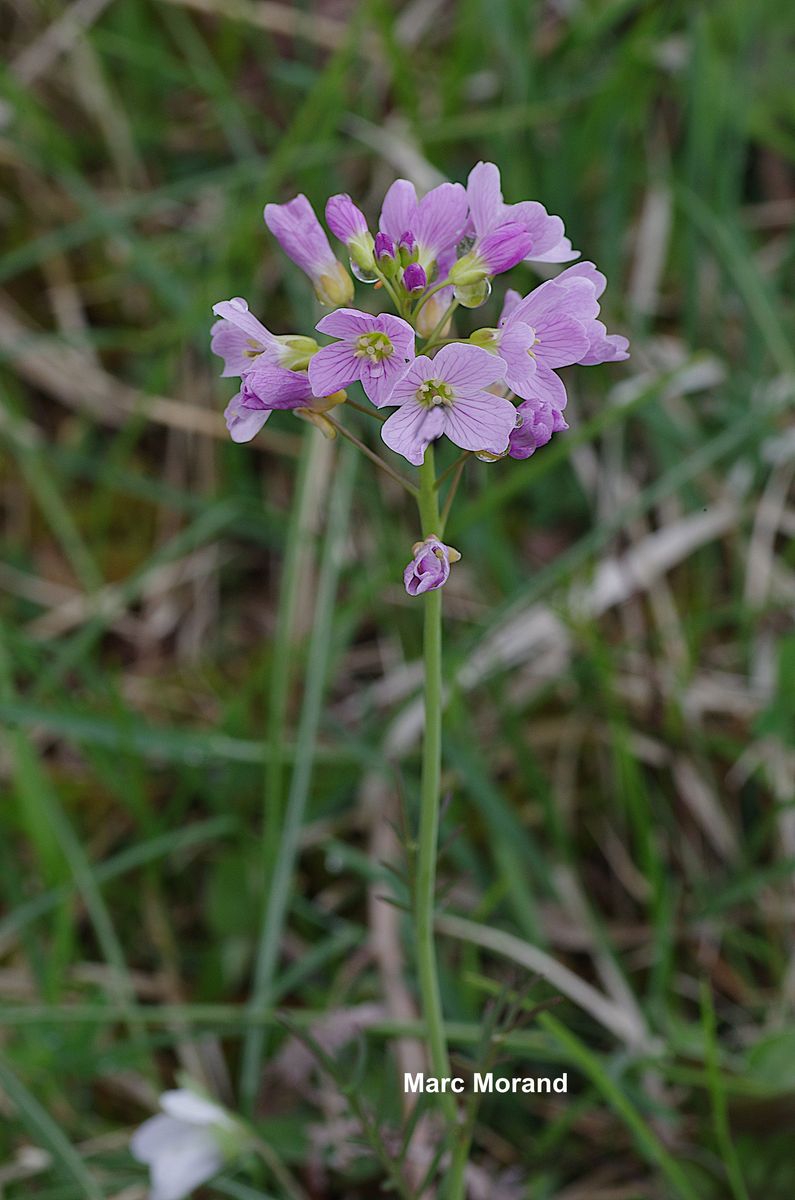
x,y
429,800
374,458
368,412
437,287
433,340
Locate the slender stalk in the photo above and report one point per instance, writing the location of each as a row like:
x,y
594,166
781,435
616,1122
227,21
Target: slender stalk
x,y
437,287
379,462
425,900
463,456
448,504
433,340
368,411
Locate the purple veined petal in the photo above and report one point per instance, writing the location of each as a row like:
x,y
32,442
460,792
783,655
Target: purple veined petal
x,y
244,423
546,232
515,343
560,253
485,198
420,369
344,219
236,311
504,247
547,387
411,428
539,422
233,346
584,270
440,220
560,340
333,368
399,332
512,299
301,236
483,422
574,297
429,567
604,347
467,368
267,386
379,380
346,323
399,209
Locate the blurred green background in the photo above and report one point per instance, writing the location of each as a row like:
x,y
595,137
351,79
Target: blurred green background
x,y
620,747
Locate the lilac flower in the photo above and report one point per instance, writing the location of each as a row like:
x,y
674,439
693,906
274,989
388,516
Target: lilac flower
x,y
538,422
430,567
348,223
375,350
429,226
264,389
300,235
488,212
240,339
447,395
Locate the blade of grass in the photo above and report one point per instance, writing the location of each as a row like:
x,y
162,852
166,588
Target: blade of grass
x,y
277,902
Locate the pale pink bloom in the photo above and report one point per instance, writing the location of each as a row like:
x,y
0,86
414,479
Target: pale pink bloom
x,y
238,338
448,395
185,1144
488,212
375,350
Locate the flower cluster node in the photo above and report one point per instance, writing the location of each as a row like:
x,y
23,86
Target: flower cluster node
x,y
496,394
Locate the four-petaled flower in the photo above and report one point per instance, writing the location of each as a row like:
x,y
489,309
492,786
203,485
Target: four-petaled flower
x,y
448,395
375,350
430,565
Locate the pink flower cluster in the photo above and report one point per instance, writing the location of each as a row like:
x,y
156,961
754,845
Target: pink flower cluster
x,y
496,393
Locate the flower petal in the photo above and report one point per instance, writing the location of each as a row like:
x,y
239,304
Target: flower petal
x,y
561,340
344,219
503,247
379,379
484,422
192,1158
185,1105
236,311
244,423
545,385
440,221
233,346
547,232
467,368
399,209
333,367
516,342
154,1137
266,386
346,323
411,428
485,197
301,236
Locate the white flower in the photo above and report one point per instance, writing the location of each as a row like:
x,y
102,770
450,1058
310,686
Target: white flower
x,y
184,1145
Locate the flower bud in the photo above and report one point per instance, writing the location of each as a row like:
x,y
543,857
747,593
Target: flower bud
x,y
408,250
384,247
414,279
430,567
